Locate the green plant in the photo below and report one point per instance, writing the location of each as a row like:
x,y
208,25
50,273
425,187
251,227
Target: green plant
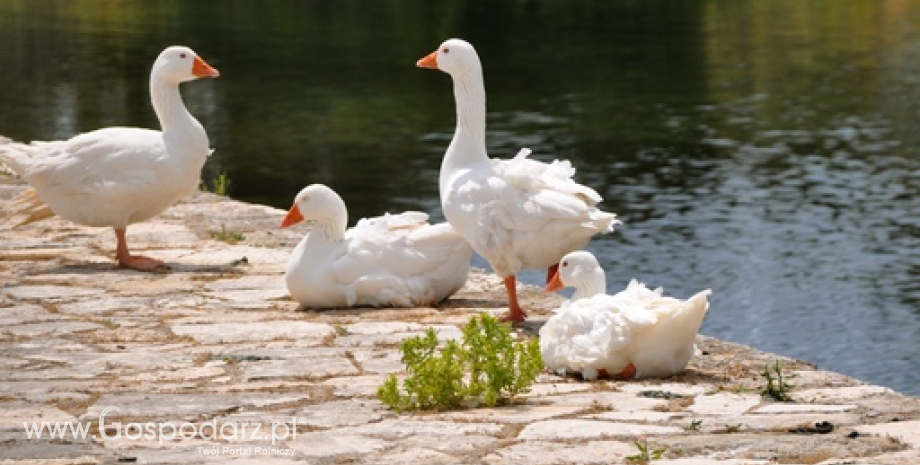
x,y
487,367
644,456
777,387
219,185
229,237
729,429
694,425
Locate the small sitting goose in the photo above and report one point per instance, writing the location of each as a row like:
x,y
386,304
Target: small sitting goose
x,y
635,333
386,261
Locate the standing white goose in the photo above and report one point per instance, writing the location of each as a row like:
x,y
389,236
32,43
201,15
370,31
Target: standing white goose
x,y
635,333
391,260
519,213
117,176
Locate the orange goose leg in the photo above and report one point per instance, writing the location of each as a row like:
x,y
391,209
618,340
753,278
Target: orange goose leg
x,y
515,314
134,262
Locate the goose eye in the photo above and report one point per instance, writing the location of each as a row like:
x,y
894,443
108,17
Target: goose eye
x,y
445,50
565,264
182,56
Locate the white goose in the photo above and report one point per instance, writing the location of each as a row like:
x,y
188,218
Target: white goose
x,y
119,175
391,260
634,334
519,213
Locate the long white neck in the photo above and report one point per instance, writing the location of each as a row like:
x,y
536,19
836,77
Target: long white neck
x,y
183,134
330,221
468,146
591,284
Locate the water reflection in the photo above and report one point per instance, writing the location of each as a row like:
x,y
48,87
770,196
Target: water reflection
x,y
767,150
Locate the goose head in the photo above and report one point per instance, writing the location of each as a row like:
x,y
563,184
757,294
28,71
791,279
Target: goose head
x,y
580,270
320,206
454,57
178,64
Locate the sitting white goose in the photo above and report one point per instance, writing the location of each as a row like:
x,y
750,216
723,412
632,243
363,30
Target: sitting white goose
x,y
119,175
517,214
387,261
636,333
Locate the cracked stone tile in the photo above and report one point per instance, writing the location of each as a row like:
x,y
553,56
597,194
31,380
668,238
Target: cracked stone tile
x,y
388,339
249,282
781,422
698,461
683,389
47,391
356,386
249,298
210,370
401,428
24,313
550,453
646,416
50,292
160,235
180,407
334,445
588,429
340,413
839,394
192,455
379,361
212,333
803,408
522,413
552,387
908,432
384,327
43,251
724,404
605,400
313,367
416,455
109,304
14,412
51,327
466,443
907,457
229,254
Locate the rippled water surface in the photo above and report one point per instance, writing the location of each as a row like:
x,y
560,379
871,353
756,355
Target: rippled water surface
x,y
766,150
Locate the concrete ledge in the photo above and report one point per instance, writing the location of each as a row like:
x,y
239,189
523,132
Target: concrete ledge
x,y
216,341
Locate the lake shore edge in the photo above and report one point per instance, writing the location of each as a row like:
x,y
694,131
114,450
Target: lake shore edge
x,y
218,339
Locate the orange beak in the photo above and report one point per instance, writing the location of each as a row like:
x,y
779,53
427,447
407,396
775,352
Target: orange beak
x,y
430,61
201,69
293,217
555,284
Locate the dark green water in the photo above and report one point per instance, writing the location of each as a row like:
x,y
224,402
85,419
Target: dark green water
x,y
765,149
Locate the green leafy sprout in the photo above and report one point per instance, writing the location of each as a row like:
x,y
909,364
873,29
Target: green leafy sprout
x,y
777,387
220,184
644,456
488,367
230,237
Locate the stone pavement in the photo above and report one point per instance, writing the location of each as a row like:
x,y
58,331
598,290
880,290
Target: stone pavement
x,y
217,344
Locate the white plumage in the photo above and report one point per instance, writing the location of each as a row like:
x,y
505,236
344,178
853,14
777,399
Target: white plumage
x,y
637,332
392,260
518,213
119,175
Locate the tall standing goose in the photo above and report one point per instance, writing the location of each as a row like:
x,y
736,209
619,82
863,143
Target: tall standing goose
x,y
517,214
117,176
387,261
635,333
